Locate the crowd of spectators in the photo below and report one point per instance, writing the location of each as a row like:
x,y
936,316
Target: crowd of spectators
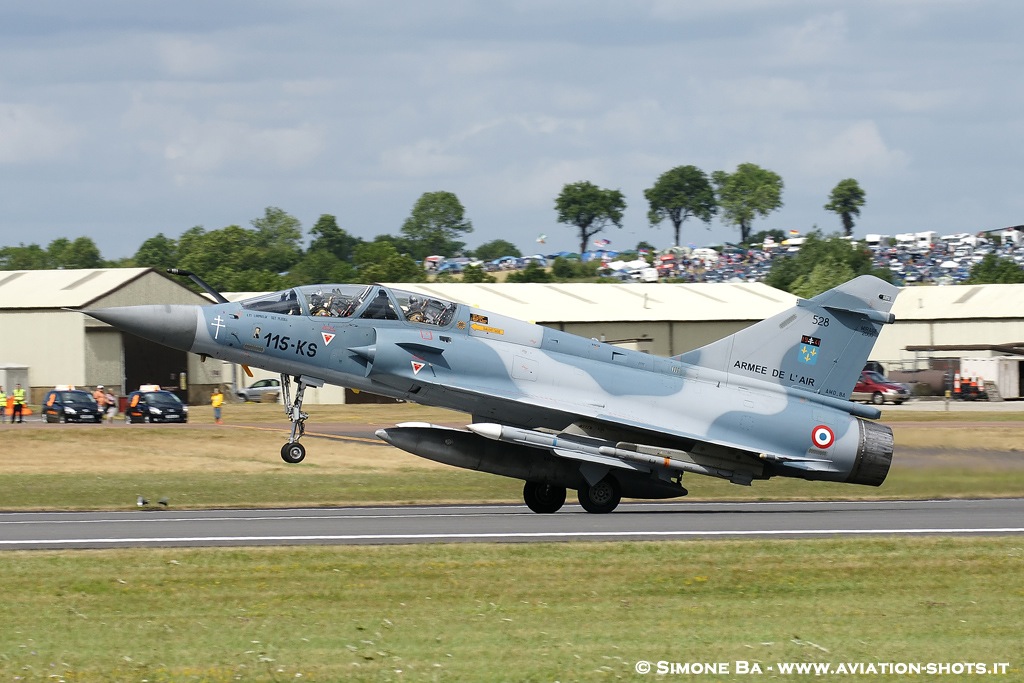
x,y
926,258
910,259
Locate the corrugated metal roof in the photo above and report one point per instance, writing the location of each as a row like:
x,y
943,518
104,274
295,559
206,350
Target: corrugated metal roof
x,y
959,302
61,288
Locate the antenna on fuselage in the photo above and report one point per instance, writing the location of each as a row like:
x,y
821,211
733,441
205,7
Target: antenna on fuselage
x,y
199,281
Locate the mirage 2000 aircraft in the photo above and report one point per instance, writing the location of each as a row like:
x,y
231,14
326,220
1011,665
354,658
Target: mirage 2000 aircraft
x,y
560,411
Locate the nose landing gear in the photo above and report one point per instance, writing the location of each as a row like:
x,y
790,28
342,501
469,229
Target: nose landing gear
x,y
294,452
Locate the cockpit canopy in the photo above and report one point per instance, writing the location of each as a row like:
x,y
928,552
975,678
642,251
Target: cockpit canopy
x,y
372,302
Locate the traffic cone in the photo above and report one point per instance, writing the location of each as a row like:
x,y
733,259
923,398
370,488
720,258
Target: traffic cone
x,y
956,386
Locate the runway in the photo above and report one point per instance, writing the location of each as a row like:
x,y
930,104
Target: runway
x,y
506,523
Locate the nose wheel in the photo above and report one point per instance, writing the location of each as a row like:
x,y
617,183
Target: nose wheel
x,y
294,452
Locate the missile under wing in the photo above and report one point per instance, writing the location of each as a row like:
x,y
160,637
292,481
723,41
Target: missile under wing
x,y
560,411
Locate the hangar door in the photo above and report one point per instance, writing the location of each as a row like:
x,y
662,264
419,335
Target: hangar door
x,y
146,362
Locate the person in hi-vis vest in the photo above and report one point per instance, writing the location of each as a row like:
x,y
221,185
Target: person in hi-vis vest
x,y
19,402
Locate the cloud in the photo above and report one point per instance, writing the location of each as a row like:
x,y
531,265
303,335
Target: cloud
x,y
814,41
31,133
185,57
755,95
857,148
200,148
423,158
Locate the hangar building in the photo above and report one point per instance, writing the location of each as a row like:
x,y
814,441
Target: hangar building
x,y
44,332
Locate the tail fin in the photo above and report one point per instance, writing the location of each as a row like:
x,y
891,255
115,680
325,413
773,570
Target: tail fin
x,y
820,345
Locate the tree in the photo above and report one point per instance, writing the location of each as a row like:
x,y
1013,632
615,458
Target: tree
x,y
327,236
828,274
476,274
776,235
846,200
319,266
379,261
995,270
644,245
232,259
402,244
157,252
749,192
679,194
437,221
82,252
67,254
278,237
32,257
488,251
574,269
590,209
533,272
819,264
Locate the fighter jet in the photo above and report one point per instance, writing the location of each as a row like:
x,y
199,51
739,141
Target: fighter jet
x,y
560,411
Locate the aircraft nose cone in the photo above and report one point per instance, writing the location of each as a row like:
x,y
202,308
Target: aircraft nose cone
x,y
170,325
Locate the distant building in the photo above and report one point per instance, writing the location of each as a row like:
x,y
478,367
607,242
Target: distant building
x,y
44,331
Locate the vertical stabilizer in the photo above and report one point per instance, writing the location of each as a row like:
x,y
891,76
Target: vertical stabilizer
x,y
820,345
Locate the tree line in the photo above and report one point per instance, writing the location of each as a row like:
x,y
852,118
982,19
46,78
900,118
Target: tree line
x,y
269,255
437,224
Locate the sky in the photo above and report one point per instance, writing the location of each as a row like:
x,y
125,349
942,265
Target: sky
x,y
122,119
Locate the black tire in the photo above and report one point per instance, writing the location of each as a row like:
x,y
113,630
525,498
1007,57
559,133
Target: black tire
x,y
601,498
543,499
877,398
293,452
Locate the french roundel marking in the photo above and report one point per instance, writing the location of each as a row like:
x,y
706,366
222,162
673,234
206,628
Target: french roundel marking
x,y
822,436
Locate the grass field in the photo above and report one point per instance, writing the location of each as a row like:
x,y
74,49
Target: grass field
x,y
481,612
536,612
203,465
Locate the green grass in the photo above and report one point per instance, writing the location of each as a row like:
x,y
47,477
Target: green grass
x,y
290,488
471,612
537,612
295,487
200,466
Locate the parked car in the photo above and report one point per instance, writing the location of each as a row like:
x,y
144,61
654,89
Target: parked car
x,y
155,406
71,405
876,388
258,389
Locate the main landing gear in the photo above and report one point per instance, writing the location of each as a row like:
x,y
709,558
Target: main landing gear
x,y
293,451
599,499
543,498
602,497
